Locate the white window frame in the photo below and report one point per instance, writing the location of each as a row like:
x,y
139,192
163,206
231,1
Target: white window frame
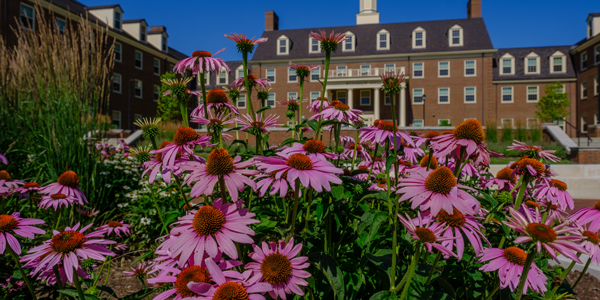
x,y
119,20
141,67
413,96
113,115
512,94
512,122
366,67
584,54
32,23
135,81
386,69
460,37
206,79
223,71
529,56
237,72
242,101
310,46
164,42
532,121
563,66
509,57
422,70
441,120
537,93
360,98
583,124
274,100
143,33
440,69
420,122
439,95
387,39
337,96
155,94
584,88
291,72
120,83
352,40
318,71
274,75
311,95
474,95
120,52
474,68
596,83
597,54
344,68
289,95
414,38
287,45
154,65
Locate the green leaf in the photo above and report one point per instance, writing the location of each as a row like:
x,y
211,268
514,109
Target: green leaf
x,y
332,272
446,286
234,129
263,109
239,142
74,294
139,295
313,124
489,200
358,171
170,218
384,295
17,274
288,141
337,192
389,161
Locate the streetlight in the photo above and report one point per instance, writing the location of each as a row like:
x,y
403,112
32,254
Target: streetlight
x,y
424,109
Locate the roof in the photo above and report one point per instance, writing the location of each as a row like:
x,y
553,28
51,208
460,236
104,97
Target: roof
x,y
176,54
594,14
543,52
134,21
101,6
475,37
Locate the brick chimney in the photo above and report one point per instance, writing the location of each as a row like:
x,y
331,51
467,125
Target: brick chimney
x,y
271,21
474,9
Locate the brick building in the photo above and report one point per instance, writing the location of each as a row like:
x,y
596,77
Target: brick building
x,y
452,70
142,53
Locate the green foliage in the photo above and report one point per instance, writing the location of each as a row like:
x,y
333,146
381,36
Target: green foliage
x,y
554,104
168,106
535,134
507,133
521,132
491,131
445,123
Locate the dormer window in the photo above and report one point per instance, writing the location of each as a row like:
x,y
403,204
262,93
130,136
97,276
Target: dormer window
x,y
455,36
532,63
239,72
507,64
143,31
283,45
314,46
118,21
558,62
418,38
223,77
349,42
164,45
383,40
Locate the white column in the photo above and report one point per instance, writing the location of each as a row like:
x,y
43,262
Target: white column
x,y
402,106
376,106
350,94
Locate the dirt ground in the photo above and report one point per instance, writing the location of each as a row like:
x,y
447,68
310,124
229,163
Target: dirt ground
x,y
588,288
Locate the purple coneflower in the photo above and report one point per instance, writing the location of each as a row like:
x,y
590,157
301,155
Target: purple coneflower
x,y
252,81
87,212
155,164
457,224
309,169
382,132
536,152
338,111
505,180
302,70
509,262
116,227
591,243
328,43
140,271
361,153
276,184
7,182
588,215
56,201
27,188
428,233
529,167
216,99
67,184
184,142
201,62
3,159
465,138
315,147
213,120
555,191
315,106
243,43
259,125
13,224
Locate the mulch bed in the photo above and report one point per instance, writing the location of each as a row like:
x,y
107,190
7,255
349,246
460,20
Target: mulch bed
x,y
588,288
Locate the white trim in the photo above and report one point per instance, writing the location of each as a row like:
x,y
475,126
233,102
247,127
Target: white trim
x,y
244,101
154,66
582,60
120,52
120,83
367,67
237,71
439,95
293,98
537,93
512,94
223,71
135,81
154,93
474,68
274,100
318,70
360,98
352,42
112,117
386,69
512,122
413,96
310,45
337,96
21,15
310,96
583,124
529,56
440,69
290,73
120,19
596,83
274,75
474,95
509,57
563,57
141,67
516,81
583,87
597,54
460,36
387,40
420,120
287,45
422,70
534,122
344,68
423,38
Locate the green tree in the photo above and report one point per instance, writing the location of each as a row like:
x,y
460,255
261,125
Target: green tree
x,y
168,107
555,104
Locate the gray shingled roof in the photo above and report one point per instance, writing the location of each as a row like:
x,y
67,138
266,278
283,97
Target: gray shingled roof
x,y
212,82
543,52
476,37
102,6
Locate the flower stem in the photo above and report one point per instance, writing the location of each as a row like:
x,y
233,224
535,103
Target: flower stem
x,y
562,277
587,264
57,274
16,258
153,141
78,284
295,211
411,271
493,292
247,84
355,151
309,195
183,109
327,59
204,96
300,106
526,268
521,193
180,188
222,188
435,262
373,162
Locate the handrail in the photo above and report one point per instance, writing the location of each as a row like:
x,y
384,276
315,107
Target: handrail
x,y
579,132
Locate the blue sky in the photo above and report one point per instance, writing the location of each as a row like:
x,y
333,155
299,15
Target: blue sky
x,y
200,24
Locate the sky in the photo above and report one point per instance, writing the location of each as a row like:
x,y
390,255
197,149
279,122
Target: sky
x,y
200,24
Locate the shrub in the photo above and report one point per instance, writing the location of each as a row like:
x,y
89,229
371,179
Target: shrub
x,y
507,133
521,132
535,134
491,131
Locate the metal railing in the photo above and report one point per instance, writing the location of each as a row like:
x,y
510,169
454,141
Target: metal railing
x,y
579,132
362,72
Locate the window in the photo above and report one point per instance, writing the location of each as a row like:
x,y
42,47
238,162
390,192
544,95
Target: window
x,y
60,24
164,44
389,67
143,31
223,77
314,46
117,21
584,126
137,88
292,77
206,78
27,16
583,61
271,75
315,74
365,97
283,46
417,96
241,102
138,59
418,70
239,72
341,71
532,93
292,95
507,94
156,66
341,96
418,123
271,100
558,62
444,69
507,122
443,95
455,36
365,70
156,92
470,68
532,122
117,83
597,54
583,90
383,40
387,100
418,38
117,52
507,64
116,118
532,64
596,86
562,88
314,96
349,42
443,122
470,94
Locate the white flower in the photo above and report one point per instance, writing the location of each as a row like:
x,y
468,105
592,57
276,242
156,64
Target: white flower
x,y
124,204
145,221
126,187
108,185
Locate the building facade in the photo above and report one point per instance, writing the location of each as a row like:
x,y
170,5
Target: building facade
x,y
142,53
